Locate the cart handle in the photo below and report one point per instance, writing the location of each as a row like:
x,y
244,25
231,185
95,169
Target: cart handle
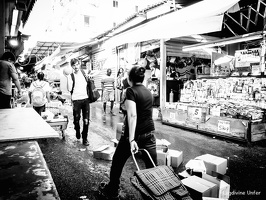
x,y
133,156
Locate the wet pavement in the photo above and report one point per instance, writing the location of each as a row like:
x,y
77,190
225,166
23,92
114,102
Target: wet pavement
x,y
77,174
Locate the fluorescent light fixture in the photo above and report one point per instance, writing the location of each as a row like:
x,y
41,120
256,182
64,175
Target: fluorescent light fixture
x,y
14,22
225,41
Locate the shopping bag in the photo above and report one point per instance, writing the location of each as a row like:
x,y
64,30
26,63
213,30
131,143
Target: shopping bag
x,y
159,182
93,93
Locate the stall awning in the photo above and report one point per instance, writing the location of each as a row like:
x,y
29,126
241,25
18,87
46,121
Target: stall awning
x,y
202,17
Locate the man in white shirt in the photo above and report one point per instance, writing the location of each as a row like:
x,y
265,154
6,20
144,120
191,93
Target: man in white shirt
x,y
77,85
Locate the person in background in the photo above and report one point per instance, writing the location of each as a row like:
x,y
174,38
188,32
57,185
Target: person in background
x,y
120,75
119,85
155,71
39,93
77,86
108,88
138,131
8,73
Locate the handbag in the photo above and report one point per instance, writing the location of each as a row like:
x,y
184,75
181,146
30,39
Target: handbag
x,y
159,182
92,92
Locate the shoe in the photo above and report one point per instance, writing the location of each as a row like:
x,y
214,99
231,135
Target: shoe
x,y
113,114
78,135
85,143
107,194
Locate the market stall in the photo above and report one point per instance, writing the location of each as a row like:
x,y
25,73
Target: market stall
x,y
226,98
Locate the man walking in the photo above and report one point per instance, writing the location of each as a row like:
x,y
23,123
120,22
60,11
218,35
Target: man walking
x,y
8,73
108,91
77,85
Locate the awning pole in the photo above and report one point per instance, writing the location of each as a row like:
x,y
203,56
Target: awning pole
x,y
262,55
163,73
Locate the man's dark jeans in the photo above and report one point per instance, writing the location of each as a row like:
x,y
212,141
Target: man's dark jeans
x,y
83,106
146,141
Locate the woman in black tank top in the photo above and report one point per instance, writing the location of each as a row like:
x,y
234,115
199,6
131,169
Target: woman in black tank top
x,y
138,131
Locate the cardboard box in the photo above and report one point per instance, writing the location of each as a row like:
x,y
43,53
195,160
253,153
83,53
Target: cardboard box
x,y
162,157
176,157
213,163
223,183
119,130
196,166
104,152
199,187
162,144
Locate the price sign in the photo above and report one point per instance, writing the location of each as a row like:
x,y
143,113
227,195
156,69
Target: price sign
x,y
195,113
172,115
223,126
216,111
181,107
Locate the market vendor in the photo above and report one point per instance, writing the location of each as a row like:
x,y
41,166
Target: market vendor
x,y
155,71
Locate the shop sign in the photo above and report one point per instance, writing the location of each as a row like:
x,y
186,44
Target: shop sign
x,y
244,58
255,69
223,126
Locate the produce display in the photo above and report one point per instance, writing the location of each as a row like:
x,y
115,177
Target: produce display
x,y
241,98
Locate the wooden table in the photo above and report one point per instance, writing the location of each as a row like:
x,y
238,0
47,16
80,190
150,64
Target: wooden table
x,y
24,173
23,124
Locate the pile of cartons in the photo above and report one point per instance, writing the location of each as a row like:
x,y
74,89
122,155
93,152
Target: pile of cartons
x,y
104,152
205,178
166,156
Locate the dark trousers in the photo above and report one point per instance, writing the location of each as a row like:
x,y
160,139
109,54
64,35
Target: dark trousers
x,y
122,153
5,101
83,106
40,109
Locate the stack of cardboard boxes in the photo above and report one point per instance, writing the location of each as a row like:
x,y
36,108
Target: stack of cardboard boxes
x,y
165,156
205,177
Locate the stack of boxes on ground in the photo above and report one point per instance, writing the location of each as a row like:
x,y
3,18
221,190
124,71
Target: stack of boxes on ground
x,y
165,156
106,152
204,176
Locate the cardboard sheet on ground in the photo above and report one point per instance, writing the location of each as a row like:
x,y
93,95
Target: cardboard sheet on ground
x,y
23,124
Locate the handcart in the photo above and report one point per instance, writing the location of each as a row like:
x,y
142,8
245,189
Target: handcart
x,y
59,122
159,182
